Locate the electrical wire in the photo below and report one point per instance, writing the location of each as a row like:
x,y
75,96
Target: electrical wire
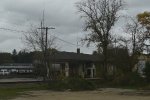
x,y
21,31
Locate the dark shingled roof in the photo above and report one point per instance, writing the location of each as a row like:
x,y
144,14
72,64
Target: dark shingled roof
x,y
70,56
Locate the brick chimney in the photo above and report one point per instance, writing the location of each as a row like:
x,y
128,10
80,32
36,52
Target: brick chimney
x,y
78,50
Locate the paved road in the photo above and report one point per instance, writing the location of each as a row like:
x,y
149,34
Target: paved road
x,y
9,80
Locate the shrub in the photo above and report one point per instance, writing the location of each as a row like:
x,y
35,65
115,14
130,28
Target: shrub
x,y
80,84
147,71
128,79
57,85
73,84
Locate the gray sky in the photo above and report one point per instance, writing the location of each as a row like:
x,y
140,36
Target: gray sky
x,y
61,14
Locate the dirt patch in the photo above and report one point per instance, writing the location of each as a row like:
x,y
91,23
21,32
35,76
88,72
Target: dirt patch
x,y
137,93
101,94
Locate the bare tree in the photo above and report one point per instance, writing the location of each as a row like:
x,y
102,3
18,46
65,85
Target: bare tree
x,y
134,41
100,16
137,36
37,40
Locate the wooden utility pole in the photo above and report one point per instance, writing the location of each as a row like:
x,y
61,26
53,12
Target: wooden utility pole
x,y
46,34
45,44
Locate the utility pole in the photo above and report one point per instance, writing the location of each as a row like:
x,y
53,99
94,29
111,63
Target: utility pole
x,y
46,34
45,44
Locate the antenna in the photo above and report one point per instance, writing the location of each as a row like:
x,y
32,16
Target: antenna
x,y
43,17
77,44
77,40
78,48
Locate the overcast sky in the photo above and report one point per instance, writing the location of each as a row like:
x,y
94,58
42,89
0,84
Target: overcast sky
x,y
61,14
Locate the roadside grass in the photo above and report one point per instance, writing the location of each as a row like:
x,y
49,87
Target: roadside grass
x,y
9,91
146,87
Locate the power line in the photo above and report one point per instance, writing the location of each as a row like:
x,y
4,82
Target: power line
x,y
64,40
21,31
70,42
12,30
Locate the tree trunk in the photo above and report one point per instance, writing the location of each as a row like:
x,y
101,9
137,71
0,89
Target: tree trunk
x,y
48,71
105,62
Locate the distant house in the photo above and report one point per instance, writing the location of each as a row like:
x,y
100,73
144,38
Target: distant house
x,y
142,59
67,64
75,64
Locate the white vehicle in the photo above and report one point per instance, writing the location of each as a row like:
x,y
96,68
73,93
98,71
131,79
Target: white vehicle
x,y
4,72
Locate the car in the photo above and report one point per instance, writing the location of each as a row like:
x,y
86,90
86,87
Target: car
x,y
4,72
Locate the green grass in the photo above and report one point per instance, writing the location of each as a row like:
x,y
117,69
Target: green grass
x,y
10,91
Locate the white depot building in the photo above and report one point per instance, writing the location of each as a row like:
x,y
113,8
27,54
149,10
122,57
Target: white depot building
x,y
7,69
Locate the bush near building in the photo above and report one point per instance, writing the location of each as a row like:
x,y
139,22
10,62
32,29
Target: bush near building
x,y
147,71
73,84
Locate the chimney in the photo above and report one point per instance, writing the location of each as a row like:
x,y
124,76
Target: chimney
x,y
78,50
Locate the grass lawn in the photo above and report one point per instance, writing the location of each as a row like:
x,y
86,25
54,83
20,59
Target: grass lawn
x,y
9,91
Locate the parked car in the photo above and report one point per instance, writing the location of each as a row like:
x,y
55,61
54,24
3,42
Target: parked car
x,y
4,72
